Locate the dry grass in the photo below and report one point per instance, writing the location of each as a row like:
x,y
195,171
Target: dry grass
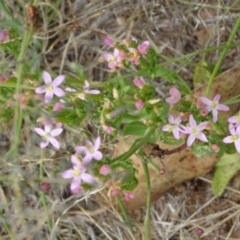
x,y
176,28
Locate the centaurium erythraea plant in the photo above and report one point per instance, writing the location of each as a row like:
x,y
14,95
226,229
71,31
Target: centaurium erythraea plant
x,y
51,87
195,131
214,106
174,126
175,96
78,174
90,150
235,120
234,137
48,136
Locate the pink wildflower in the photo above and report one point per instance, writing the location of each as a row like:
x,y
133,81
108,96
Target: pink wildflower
x,y
87,91
173,126
143,47
105,169
214,106
138,82
59,106
108,41
78,174
139,104
114,60
108,129
48,135
3,79
4,35
175,96
235,119
90,151
234,137
128,196
51,88
195,131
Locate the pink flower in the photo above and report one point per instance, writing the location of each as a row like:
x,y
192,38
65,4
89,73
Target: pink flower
x,y
105,169
3,79
51,88
87,91
195,131
4,35
214,106
78,174
108,41
234,137
174,126
90,151
235,119
215,147
143,47
59,106
114,60
138,82
175,96
48,136
128,196
21,98
45,186
139,104
108,129
133,56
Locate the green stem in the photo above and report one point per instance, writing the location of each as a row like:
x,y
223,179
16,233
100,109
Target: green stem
x,y
134,147
148,187
19,72
125,214
44,201
222,56
7,227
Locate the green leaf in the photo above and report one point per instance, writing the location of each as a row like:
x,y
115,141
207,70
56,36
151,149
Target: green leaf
x,y
226,168
134,128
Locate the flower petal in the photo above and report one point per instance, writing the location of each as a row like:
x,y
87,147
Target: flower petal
x,y
206,101
176,133
44,144
40,90
223,107
93,91
87,159
56,132
237,145
58,92
97,155
228,139
87,178
68,174
80,149
47,78
192,122
75,161
202,137
48,97
54,142
75,183
217,98
97,143
39,131
58,80
190,140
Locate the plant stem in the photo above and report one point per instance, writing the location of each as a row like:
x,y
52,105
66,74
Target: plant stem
x,y
125,214
222,56
134,147
148,187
